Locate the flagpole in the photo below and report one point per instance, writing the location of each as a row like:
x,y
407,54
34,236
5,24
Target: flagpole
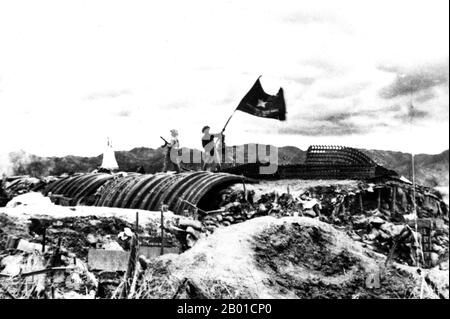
x,y
223,137
225,126
420,258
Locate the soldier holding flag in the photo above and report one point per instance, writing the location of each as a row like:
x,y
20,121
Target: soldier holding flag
x,y
210,147
257,103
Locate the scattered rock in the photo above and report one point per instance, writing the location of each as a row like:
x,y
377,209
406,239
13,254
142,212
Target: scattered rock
x,y
391,230
91,239
184,223
444,265
376,221
360,221
112,245
12,265
193,232
74,281
434,259
190,240
309,213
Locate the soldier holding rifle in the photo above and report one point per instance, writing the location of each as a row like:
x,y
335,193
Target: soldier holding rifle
x,y
171,152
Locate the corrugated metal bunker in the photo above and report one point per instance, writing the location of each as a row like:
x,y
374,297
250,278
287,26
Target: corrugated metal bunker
x,y
200,188
141,191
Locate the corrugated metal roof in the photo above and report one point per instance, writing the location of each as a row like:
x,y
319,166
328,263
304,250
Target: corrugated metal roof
x,y
143,191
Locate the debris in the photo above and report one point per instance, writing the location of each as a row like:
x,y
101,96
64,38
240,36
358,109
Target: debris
x,y
131,266
12,265
12,242
376,221
26,246
91,239
184,223
42,271
268,257
112,245
108,260
332,242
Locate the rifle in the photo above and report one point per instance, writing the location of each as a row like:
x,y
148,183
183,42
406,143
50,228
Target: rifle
x,y
165,142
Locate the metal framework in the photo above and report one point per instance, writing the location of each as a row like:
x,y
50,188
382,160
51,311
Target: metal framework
x,y
322,162
336,155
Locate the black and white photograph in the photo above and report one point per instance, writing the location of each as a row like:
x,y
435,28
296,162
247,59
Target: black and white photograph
x,y
234,152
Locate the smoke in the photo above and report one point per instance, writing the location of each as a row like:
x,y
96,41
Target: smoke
x,y
5,165
14,163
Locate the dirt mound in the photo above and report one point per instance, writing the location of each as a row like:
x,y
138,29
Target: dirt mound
x,y
316,262
306,247
266,257
379,215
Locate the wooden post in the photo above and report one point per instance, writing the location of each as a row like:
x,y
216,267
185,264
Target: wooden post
x,y
245,189
361,207
245,153
333,213
57,260
43,239
195,214
137,223
394,198
430,242
163,207
379,198
222,149
131,268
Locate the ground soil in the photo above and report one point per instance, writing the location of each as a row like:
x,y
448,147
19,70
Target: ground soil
x,y
266,257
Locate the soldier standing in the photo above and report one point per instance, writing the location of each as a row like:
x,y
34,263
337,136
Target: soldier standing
x,y
209,146
171,155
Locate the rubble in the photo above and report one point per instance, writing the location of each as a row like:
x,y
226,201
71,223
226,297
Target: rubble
x,y
287,257
370,213
70,235
11,187
351,235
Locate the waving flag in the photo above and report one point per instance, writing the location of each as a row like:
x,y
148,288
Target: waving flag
x,y
258,103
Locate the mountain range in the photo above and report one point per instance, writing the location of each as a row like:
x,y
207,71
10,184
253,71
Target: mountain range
x,y
431,170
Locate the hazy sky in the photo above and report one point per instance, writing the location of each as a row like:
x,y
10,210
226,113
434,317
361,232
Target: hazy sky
x,y
73,72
